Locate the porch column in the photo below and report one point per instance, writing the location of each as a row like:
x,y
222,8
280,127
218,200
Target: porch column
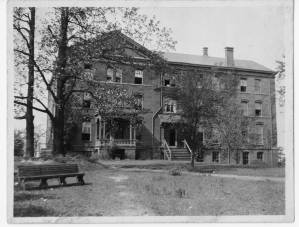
x,y
130,132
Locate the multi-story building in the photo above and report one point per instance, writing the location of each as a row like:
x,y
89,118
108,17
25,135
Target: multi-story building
x,y
157,94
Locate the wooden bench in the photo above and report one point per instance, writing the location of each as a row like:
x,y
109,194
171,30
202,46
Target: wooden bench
x,y
43,172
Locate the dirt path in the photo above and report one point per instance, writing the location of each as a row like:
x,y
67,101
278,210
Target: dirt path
x,y
129,204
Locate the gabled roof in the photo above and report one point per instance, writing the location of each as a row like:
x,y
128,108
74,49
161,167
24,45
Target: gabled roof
x,y
212,61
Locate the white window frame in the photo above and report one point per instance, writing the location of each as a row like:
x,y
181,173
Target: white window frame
x,y
172,106
260,134
119,74
259,82
243,83
261,108
109,69
139,74
246,111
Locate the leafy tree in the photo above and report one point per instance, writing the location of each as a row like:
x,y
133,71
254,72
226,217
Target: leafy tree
x,y
70,37
280,78
206,102
24,25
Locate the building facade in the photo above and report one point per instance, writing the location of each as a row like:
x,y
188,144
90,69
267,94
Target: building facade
x,y
158,137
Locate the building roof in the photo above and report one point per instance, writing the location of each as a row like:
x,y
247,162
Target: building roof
x,y
212,61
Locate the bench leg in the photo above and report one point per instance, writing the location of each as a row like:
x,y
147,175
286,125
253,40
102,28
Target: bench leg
x,y
80,180
62,181
43,183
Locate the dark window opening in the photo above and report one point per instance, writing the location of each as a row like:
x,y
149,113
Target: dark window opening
x,y
167,83
258,113
215,156
86,136
138,80
98,129
259,155
243,88
117,79
86,103
87,66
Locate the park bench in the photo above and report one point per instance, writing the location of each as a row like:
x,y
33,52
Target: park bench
x,y
43,172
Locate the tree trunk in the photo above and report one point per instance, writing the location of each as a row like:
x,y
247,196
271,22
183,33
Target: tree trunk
x,y
58,129
29,151
58,137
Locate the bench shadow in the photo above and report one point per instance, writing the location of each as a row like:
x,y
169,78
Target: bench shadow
x,y
32,188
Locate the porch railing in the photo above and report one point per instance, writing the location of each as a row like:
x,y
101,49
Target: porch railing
x,y
119,142
166,150
188,148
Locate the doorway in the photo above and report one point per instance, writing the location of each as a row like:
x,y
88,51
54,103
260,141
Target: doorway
x,y
245,158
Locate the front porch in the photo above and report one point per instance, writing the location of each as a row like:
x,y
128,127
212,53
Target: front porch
x,y
116,138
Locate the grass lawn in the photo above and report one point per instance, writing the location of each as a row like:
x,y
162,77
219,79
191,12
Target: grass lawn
x,y
113,192
220,169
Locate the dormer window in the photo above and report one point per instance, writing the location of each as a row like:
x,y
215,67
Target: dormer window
x,y
109,75
138,77
118,76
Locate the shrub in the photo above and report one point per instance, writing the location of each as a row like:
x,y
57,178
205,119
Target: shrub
x,y
180,193
18,143
175,172
258,164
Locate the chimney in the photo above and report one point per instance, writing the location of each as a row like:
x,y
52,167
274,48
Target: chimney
x,y
205,51
229,56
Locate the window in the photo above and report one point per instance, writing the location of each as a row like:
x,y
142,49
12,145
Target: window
x,y
258,109
167,82
109,75
259,155
138,102
86,100
259,134
216,83
243,85
170,106
244,105
118,76
215,156
257,86
87,66
138,77
86,130
199,81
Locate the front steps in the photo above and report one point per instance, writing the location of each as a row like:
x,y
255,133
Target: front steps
x,y
180,154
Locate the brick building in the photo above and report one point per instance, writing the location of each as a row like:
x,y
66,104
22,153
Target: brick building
x,y
156,91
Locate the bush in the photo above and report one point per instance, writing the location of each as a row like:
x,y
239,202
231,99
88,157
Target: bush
x,y
175,172
258,164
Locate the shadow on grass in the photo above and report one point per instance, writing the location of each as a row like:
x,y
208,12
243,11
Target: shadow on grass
x,y
33,211
23,196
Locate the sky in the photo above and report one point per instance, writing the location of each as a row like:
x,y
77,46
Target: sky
x,y
256,32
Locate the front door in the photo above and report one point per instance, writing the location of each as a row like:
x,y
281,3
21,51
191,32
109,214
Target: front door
x,y
245,158
172,137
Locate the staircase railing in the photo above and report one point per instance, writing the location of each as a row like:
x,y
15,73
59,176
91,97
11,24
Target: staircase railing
x,y
188,148
166,150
